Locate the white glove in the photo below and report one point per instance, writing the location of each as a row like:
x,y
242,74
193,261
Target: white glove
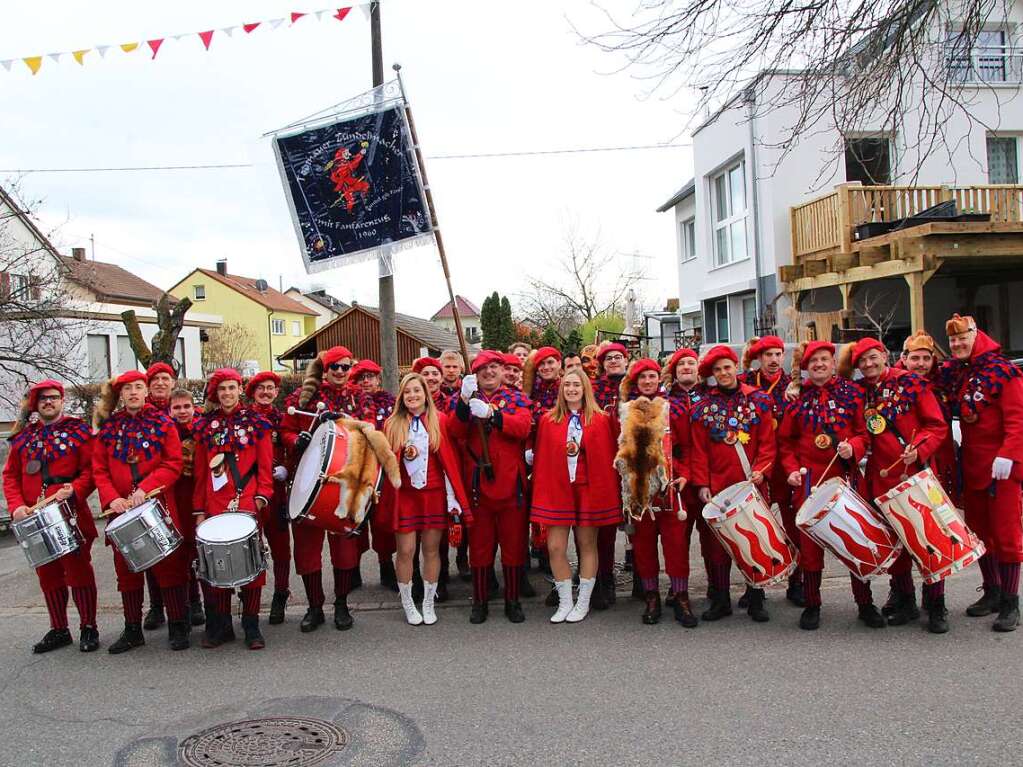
x,y
469,386
454,507
1001,468
529,457
480,409
280,473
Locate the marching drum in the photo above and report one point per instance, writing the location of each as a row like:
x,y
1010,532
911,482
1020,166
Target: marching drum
x,y
740,519
836,518
931,528
230,550
144,535
316,500
48,533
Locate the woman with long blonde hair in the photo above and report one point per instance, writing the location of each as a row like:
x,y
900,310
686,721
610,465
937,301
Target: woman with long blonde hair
x,y
431,490
574,485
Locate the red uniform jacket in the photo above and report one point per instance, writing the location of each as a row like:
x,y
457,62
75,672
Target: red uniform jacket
x,y
377,407
945,461
741,417
986,392
280,454
910,413
141,451
552,489
337,400
245,435
184,488
63,452
507,430
835,411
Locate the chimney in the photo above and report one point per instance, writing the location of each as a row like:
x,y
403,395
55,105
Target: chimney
x,y
222,267
78,254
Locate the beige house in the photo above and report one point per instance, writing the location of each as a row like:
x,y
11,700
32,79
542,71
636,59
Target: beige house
x,y
469,314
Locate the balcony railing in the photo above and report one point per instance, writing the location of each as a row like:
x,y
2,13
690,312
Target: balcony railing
x,y
985,64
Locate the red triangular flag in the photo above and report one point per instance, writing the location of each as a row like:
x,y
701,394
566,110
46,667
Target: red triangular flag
x,y
249,27
296,16
206,37
154,45
341,13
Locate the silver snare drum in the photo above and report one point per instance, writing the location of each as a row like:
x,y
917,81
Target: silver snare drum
x,y
48,534
144,535
230,550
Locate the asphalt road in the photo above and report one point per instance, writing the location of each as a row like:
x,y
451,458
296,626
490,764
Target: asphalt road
x,y
607,691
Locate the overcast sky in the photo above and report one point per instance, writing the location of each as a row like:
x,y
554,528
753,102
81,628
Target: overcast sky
x,y
482,76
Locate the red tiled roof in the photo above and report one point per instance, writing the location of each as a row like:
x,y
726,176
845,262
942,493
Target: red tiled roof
x,y
466,308
270,298
110,282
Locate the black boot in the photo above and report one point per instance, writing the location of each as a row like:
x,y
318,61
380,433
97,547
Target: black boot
x,y
177,634
130,638
478,613
342,616
388,578
1008,614
906,610
870,617
794,593
253,636
513,611
442,589
88,641
227,628
213,634
756,609
312,620
637,589
937,615
891,604
154,618
652,613
684,610
196,615
810,620
553,599
989,602
525,587
356,579
277,605
669,601
720,606
743,602
598,599
54,639
610,588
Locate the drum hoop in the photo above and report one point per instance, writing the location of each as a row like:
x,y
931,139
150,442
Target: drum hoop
x,y
906,484
318,484
242,539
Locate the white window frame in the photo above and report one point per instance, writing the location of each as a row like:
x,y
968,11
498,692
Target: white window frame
x,y
1019,159
296,328
733,217
990,64
278,327
199,292
744,301
687,245
713,317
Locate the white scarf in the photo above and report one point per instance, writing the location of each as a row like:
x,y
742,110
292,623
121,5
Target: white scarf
x,y
575,434
420,439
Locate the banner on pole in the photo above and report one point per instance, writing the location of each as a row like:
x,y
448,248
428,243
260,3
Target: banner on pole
x,y
352,184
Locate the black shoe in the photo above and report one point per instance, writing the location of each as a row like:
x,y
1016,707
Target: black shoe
x,y
342,616
743,602
925,601
88,641
253,636
989,602
493,587
130,638
652,613
227,629
720,607
154,618
177,634
756,609
870,617
794,593
906,610
213,635
553,600
669,601
356,579
277,605
684,611
810,619
195,613
478,613
891,604
1008,614
53,640
388,578
937,615
462,565
598,599
312,620
513,611
525,587
442,590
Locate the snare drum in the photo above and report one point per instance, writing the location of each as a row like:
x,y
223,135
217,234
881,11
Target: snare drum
x,y
836,518
230,550
741,520
930,527
49,533
314,500
144,535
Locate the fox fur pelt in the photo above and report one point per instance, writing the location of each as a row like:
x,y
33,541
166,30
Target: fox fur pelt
x,y
641,462
368,452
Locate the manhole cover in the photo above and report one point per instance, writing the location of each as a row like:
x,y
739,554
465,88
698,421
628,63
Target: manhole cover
x,y
281,741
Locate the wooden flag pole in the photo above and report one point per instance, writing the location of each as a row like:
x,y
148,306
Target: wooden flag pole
x,y
485,466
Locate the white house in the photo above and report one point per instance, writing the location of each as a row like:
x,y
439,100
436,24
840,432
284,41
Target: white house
x,y
468,313
326,307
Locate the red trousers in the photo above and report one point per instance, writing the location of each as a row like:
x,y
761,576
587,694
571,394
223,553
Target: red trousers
x,y
996,519
72,571
675,536
170,571
501,523
278,538
344,550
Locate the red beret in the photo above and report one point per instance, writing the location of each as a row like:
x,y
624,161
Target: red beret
x,y
333,354
863,346
365,367
544,352
126,378
160,367
219,376
679,355
256,380
719,352
611,347
425,362
33,392
765,343
485,357
511,360
812,348
640,366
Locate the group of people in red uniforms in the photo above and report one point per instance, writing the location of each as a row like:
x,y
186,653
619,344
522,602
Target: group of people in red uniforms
x,y
529,441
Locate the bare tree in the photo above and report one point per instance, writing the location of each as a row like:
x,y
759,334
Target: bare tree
x,y
228,346
876,306
170,319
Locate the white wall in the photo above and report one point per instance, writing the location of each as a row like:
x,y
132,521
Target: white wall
x,y
323,314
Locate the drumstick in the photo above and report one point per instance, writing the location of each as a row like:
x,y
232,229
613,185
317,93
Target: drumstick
x,y
320,407
913,446
825,472
40,504
151,494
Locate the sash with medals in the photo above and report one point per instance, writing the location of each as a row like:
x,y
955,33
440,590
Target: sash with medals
x,y
573,444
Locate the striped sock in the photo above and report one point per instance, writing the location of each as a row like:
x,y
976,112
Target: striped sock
x,y
512,574
480,584
155,595
861,591
56,606
193,588
282,574
812,587
679,585
85,600
222,600
313,583
1009,572
648,584
174,597
722,576
131,601
251,598
342,582
989,570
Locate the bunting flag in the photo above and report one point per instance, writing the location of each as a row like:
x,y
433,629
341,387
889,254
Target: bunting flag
x,y
35,63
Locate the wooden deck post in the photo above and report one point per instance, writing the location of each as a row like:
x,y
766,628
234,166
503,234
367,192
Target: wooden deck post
x,y
844,220
915,281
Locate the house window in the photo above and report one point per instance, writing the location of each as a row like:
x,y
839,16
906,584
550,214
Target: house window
x,y
99,357
729,207
749,315
688,239
199,292
717,321
868,160
277,327
296,328
19,287
126,359
1003,159
987,60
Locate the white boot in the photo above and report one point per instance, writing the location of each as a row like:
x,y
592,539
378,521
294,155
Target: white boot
x,y
564,600
429,592
411,613
582,603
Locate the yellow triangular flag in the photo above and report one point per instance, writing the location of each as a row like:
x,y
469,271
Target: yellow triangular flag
x,y
33,63
80,55
129,47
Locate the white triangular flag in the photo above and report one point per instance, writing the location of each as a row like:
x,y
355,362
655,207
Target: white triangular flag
x,y
55,56
7,64
319,15
274,23
228,30
178,37
102,50
367,9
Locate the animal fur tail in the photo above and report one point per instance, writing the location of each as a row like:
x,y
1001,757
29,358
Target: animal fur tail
x,y
105,406
529,373
796,371
747,352
312,382
24,412
845,366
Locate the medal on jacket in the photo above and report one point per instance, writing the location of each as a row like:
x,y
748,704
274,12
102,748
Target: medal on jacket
x,y
968,416
132,458
876,424
217,464
410,453
823,441
774,423
33,467
232,505
731,438
572,448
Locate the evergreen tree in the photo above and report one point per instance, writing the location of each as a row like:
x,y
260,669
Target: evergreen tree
x,y
490,321
550,337
507,324
574,342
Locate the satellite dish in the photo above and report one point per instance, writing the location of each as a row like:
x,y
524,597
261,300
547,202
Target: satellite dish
x,y
262,286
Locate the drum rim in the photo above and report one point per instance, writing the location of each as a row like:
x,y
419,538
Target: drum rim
x,y
318,484
912,480
247,536
839,484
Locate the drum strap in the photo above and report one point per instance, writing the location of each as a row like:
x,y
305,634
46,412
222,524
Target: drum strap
x,y
240,480
136,475
743,458
50,479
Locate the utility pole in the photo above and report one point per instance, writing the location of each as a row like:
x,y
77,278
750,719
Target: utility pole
x,y
388,333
